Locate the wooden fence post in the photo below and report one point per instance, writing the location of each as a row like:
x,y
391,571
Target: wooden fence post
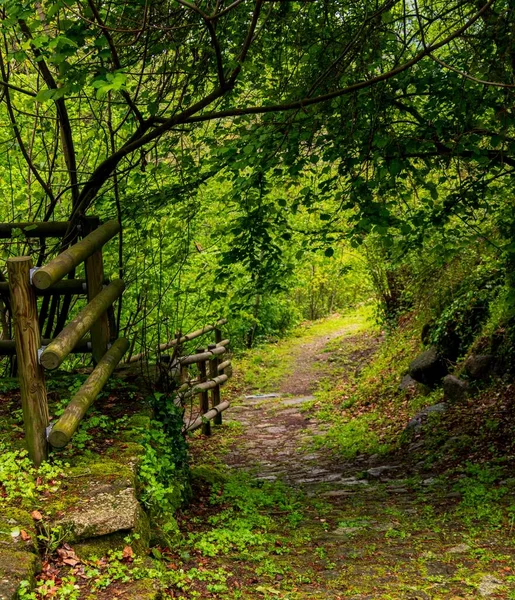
x,y
94,266
218,339
28,341
215,393
204,395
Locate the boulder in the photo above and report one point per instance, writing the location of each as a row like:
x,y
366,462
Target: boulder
x,y
104,505
428,368
479,366
407,383
454,389
420,418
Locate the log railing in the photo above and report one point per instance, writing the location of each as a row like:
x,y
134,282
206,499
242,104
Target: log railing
x,y
211,374
34,354
89,331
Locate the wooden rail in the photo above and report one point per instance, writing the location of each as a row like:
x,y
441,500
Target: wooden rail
x,y
180,340
41,230
66,286
8,347
58,349
65,262
61,433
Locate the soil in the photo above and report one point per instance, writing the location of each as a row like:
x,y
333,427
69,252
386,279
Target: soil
x,y
389,529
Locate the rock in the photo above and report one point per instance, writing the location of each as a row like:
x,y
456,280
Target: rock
x,y
420,418
459,549
407,383
428,368
101,500
378,472
454,389
16,567
479,366
104,508
489,585
347,530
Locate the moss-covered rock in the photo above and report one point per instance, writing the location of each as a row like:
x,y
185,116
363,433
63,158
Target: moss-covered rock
x,y
208,474
127,452
101,546
17,530
16,567
104,505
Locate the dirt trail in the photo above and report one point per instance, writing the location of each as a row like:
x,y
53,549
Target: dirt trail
x,y
383,534
279,432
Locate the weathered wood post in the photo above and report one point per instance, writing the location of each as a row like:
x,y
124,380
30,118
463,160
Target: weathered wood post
x,y
215,393
94,266
218,339
204,395
28,341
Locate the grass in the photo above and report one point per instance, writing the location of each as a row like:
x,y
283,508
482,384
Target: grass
x,y
262,369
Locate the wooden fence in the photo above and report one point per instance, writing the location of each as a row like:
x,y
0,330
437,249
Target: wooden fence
x,y
35,354
200,374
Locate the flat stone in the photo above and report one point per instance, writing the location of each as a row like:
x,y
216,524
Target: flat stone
x,y
101,506
16,567
440,568
297,401
347,530
378,472
489,585
336,493
459,549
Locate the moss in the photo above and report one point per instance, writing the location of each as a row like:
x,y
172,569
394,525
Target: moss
x,y
126,452
101,467
208,474
16,567
144,589
12,518
139,421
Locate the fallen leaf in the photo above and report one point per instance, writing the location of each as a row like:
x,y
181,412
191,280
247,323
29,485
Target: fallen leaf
x,y
24,535
36,515
71,561
128,552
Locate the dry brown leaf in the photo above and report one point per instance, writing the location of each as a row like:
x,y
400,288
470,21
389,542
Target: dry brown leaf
x,y
36,515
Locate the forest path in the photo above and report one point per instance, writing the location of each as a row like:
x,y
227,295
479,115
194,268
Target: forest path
x,y
279,427
295,521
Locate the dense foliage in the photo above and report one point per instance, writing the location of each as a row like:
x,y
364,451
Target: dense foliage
x,y
270,161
